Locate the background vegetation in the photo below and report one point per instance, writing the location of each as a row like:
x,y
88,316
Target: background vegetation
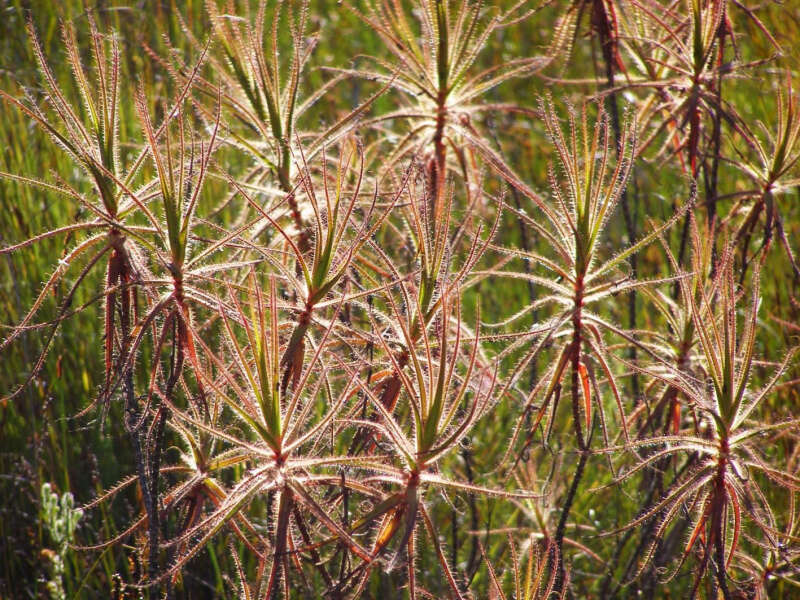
x,y
597,493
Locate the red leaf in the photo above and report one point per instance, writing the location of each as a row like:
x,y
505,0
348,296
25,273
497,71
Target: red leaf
x,y
676,416
587,396
737,521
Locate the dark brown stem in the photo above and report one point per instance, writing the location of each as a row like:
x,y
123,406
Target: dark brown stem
x,y
303,237
685,231
285,507
575,351
472,562
134,421
316,559
562,522
719,559
718,517
154,521
712,173
608,43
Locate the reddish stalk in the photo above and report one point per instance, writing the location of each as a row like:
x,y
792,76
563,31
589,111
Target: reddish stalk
x,y
575,351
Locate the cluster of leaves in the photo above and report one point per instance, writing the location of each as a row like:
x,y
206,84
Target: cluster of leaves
x,y
300,335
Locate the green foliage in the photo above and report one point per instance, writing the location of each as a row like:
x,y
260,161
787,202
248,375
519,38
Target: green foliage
x,y
432,298
60,518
